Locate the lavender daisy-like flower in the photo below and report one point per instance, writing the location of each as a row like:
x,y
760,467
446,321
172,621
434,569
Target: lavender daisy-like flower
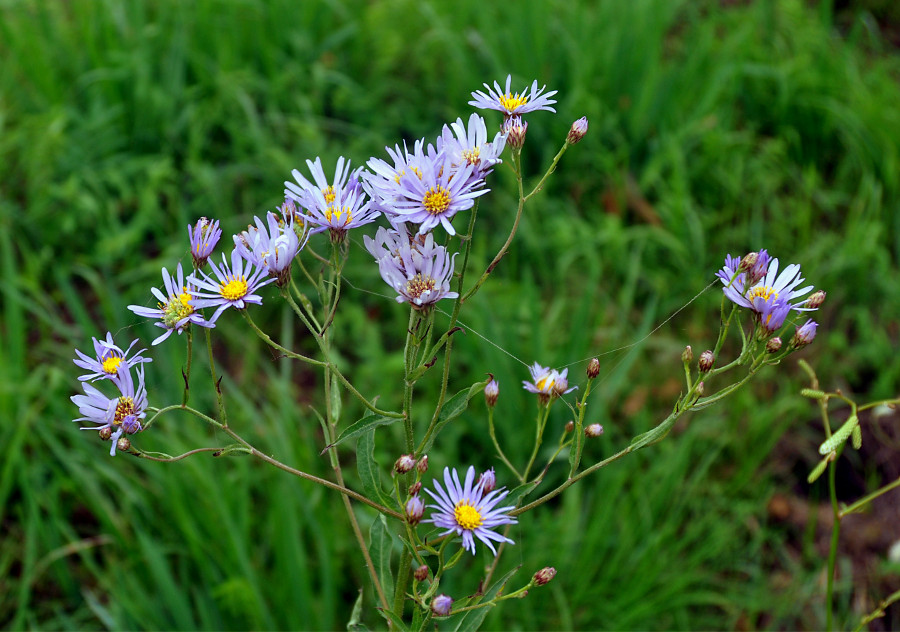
x,y
468,511
337,206
420,272
383,182
436,195
121,414
204,236
108,359
771,287
547,382
530,100
233,286
176,308
470,145
804,335
271,245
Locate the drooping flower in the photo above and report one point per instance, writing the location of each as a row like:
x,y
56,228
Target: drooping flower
x,y
337,206
530,100
233,286
271,245
468,511
544,382
108,359
420,272
176,308
204,236
121,414
436,194
470,146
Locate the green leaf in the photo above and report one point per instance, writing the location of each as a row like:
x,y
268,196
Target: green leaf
x,y
361,427
369,472
472,619
380,548
519,492
335,398
396,621
453,408
355,623
653,436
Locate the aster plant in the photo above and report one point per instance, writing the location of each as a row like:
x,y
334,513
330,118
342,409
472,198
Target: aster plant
x,y
424,259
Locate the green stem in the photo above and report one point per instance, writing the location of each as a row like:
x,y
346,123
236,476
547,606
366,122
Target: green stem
x,y
832,551
497,447
862,502
187,372
223,419
265,338
543,414
540,185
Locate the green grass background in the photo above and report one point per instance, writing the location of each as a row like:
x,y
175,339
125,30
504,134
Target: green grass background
x,y
714,128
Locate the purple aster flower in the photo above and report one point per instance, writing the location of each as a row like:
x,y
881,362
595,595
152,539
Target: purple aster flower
x,y
508,103
383,182
468,511
772,315
434,196
805,334
204,236
771,287
176,308
232,287
338,206
547,382
419,272
470,145
441,605
272,246
108,359
121,414
415,509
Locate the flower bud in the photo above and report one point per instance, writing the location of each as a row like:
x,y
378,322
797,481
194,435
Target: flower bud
x,y
701,388
593,369
773,345
488,480
491,392
105,433
441,605
543,576
405,463
707,360
415,488
748,261
422,464
577,131
804,335
570,426
561,385
123,444
815,299
687,356
514,128
415,509
593,430
421,573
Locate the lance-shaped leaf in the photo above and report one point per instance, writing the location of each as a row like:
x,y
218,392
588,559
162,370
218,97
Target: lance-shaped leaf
x,y
453,408
369,422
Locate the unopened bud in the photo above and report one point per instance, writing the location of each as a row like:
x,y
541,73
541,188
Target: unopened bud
x,y
422,464
773,345
687,356
415,509
701,388
815,299
804,335
706,362
491,392
405,463
441,605
748,261
123,444
593,430
543,576
488,480
105,433
570,426
593,368
415,488
515,129
421,573
577,131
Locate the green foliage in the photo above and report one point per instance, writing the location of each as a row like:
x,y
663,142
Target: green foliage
x,y
713,130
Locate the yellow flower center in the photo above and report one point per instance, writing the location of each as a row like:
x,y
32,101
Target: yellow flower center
x,y
111,365
124,407
418,285
333,215
510,102
467,516
235,289
436,200
472,155
177,308
328,192
764,292
545,383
